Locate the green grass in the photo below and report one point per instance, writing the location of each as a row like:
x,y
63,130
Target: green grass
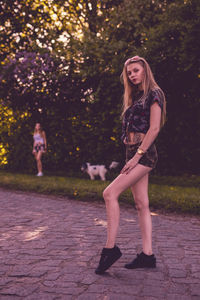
x,y
185,180
175,194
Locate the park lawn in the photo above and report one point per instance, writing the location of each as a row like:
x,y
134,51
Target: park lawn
x,y
165,196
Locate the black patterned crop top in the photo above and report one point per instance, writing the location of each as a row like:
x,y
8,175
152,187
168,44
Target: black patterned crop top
x,y
137,116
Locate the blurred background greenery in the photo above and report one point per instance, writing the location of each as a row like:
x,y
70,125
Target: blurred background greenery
x,y
61,63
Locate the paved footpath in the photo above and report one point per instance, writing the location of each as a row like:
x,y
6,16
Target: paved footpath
x,y
50,246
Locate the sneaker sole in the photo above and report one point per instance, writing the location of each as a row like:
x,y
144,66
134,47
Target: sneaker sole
x,y
139,267
99,272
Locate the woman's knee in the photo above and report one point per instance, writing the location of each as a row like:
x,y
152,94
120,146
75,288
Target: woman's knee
x,y
141,203
38,158
108,194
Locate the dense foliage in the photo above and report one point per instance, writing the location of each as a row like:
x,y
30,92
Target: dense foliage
x,y
61,63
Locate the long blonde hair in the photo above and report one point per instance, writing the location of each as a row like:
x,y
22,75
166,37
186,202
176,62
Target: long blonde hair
x,y
148,84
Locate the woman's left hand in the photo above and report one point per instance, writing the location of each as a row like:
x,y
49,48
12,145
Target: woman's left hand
x,y
130,165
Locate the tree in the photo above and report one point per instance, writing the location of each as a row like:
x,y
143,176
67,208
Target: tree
x,y
65,71
173,50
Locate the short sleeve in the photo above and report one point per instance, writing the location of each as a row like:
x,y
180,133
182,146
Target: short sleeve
x,y
157,96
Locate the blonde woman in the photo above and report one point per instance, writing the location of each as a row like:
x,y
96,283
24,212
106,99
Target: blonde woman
x,y
39,146
144,110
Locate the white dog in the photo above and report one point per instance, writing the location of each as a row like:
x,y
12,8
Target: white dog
x,y
100,170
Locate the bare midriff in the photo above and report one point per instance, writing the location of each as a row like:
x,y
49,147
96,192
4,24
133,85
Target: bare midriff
x,y
134,137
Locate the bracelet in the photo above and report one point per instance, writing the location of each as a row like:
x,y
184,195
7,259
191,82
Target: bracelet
x,y
140,151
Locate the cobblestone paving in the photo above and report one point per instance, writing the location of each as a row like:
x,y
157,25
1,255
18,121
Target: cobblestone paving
x,y
50,246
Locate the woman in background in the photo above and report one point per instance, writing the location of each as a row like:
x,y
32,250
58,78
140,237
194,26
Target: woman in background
x,y
144,110
39,146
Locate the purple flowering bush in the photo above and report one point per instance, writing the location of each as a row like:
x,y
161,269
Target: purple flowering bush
x,y
44,87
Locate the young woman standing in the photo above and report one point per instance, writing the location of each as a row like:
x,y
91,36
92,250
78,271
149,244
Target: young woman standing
x,y
39,146
144,110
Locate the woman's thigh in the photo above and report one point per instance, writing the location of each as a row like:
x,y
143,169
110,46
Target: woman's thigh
x,y
140,190
125,181
39,155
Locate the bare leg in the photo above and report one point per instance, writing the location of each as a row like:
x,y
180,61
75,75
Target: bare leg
x,y
111,194
35,154
39,162
140,194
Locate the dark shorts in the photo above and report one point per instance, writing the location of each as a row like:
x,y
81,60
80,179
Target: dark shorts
x,y
149,159
39,147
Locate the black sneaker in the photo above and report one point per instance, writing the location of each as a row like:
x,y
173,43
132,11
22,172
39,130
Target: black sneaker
x,y
108,257
142,261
